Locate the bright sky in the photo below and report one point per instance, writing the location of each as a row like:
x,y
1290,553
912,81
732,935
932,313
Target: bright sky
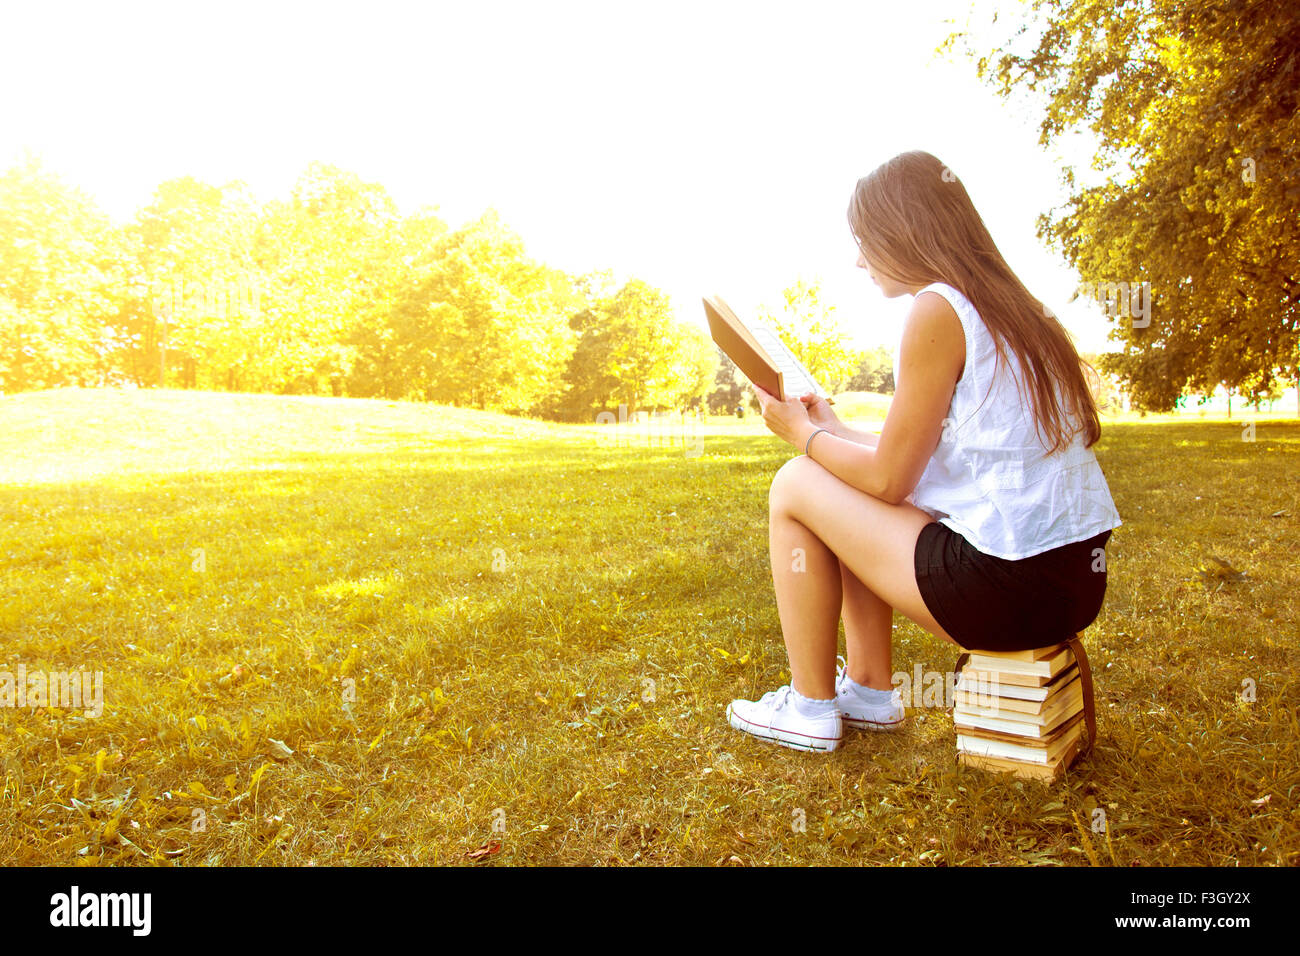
x,y
706,147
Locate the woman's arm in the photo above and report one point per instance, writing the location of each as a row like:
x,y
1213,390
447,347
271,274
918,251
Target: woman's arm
x,y
870,439
931,359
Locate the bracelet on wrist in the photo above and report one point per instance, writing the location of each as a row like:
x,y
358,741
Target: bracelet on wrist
x,y
808,444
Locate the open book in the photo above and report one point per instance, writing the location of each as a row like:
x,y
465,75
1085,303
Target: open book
x,y
760,354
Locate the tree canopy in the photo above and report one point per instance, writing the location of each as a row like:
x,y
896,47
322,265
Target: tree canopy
x,y
1193,108
329,290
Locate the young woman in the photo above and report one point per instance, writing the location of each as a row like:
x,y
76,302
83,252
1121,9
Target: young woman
x,y
979,510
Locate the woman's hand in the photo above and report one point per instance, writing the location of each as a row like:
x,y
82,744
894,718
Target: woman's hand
x,y
788,420
820,413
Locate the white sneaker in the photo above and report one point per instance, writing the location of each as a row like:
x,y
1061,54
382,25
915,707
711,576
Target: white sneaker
x,y
862,716
774,717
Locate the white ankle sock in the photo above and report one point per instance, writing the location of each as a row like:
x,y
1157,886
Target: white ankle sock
x,y
868,695
811,706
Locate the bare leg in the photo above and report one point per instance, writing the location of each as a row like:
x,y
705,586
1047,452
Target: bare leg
x,y
868,634
807,579
835,524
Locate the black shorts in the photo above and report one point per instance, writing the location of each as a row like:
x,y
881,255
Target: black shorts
x,y
993,604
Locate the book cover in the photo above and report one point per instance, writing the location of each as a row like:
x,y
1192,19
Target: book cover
x,y
760,354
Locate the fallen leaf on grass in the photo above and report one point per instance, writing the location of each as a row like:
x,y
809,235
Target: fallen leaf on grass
x,y
1224,572
486,850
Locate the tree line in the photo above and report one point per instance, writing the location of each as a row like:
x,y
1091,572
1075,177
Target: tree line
x,y
331,291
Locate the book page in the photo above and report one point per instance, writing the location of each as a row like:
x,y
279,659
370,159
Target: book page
x,y
798,380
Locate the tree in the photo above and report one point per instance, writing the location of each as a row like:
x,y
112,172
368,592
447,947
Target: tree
x,y
588,379
196,303
691,370
875,372
1194,110
321,253
813,335
484,325
61,262
632,351
640,355
409,253
729,385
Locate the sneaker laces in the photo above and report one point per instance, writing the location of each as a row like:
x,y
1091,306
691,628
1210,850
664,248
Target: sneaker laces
x,y
778,698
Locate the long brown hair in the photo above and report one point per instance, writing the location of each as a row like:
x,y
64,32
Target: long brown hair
x,y
914,221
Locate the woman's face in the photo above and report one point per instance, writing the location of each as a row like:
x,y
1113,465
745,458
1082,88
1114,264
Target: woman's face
x,y
888,286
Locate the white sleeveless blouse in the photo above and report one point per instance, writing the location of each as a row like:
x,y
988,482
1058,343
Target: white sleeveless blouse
x,y
990,479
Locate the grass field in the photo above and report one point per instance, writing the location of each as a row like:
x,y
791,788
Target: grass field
x,y
340,631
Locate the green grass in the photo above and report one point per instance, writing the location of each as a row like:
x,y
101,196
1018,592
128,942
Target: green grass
x,y
475,630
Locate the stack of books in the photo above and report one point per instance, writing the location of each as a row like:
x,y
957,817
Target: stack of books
x,y
1020,712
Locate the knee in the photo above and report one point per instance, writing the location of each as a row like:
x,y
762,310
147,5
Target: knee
x,y
787,482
